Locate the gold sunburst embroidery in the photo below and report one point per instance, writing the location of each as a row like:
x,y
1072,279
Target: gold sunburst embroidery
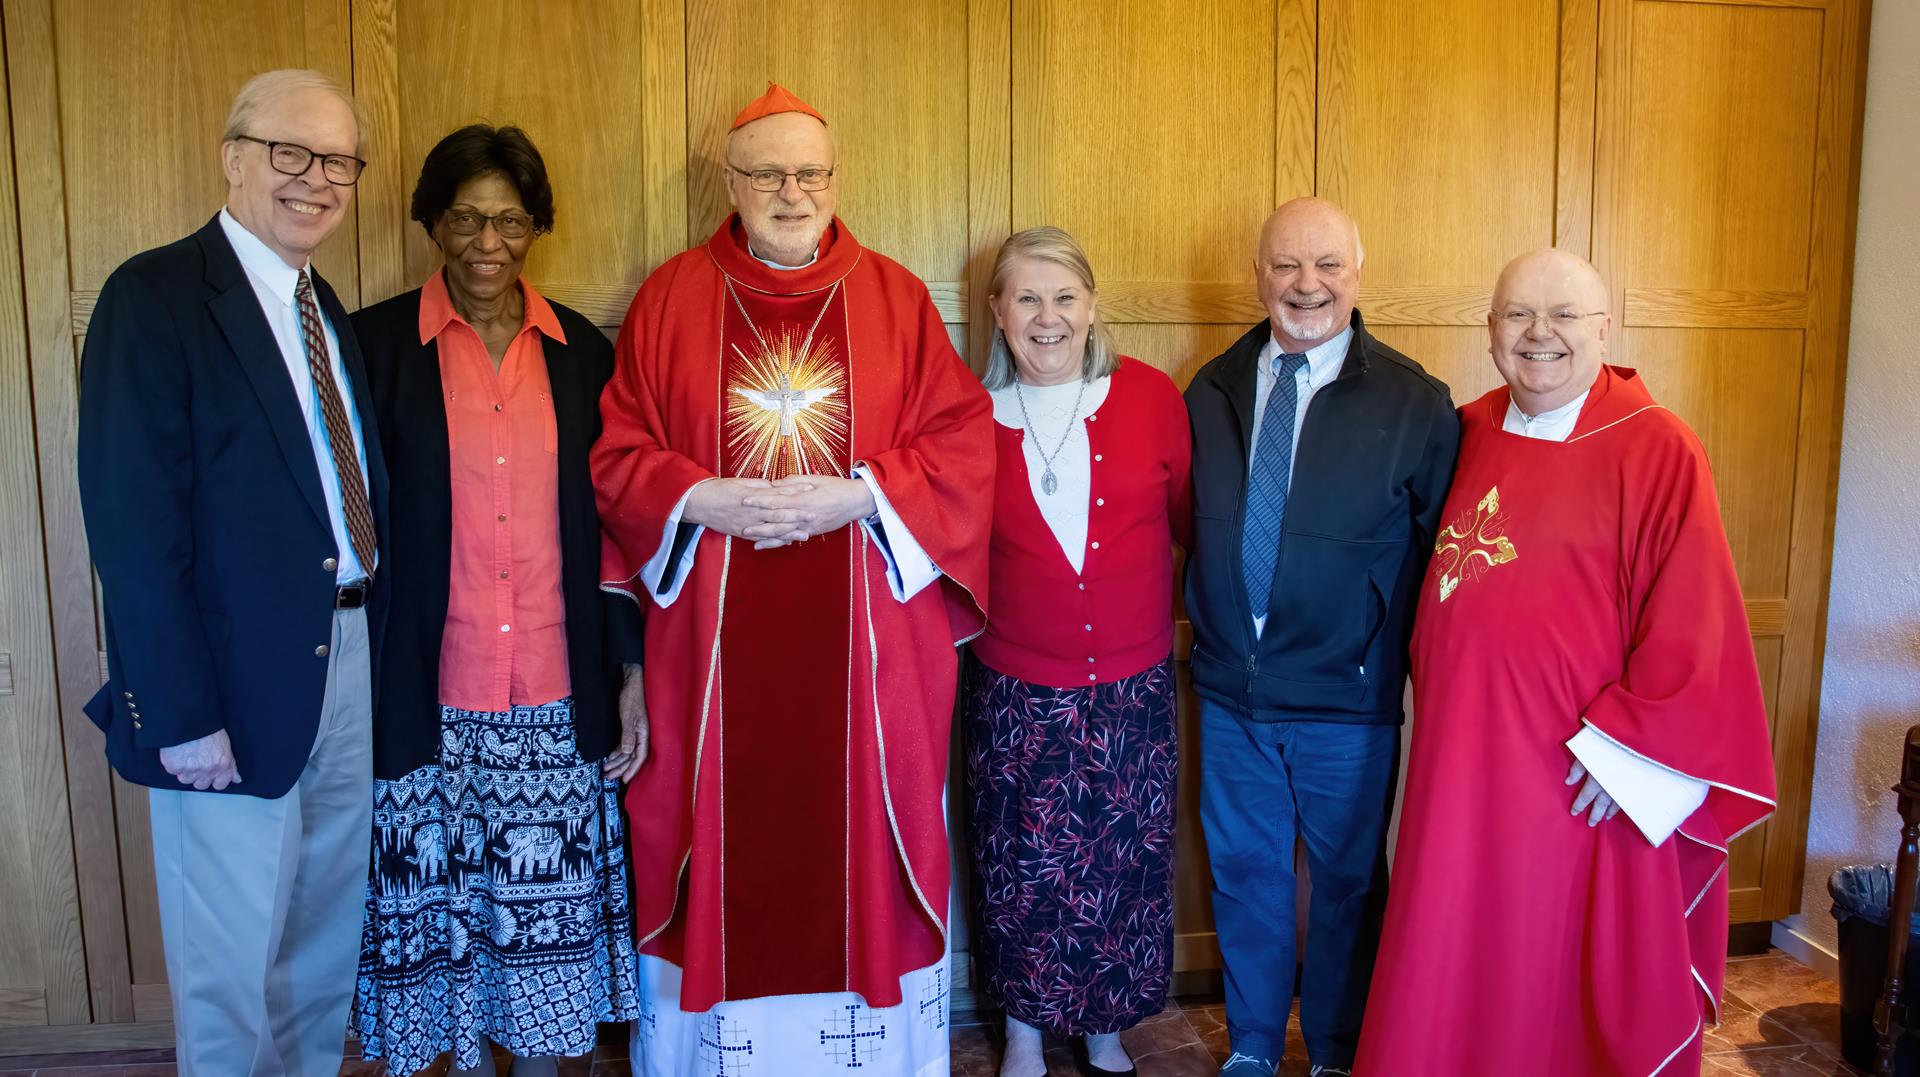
x,y
1472,545
787,408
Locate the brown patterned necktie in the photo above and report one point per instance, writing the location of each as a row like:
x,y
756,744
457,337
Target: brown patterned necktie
x,y
353,492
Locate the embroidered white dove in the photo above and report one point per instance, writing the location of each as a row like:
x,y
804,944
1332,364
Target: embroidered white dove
x,y
787,400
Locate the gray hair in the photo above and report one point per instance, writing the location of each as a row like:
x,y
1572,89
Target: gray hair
x,y
268,85
1047,244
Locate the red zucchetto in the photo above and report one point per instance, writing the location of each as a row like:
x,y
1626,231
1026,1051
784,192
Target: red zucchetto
x,y
777,99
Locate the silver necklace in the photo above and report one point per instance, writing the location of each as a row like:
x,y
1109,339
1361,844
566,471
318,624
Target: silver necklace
x,y
1048,484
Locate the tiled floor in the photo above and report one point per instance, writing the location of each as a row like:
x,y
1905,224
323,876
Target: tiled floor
x,y
1779,1020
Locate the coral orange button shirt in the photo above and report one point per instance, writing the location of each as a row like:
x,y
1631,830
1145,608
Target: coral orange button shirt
x,y
505,642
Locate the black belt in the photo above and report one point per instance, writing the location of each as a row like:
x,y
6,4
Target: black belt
x,y
352,596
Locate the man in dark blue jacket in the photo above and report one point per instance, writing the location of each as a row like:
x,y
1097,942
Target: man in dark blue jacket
x,y
1321,462
234,498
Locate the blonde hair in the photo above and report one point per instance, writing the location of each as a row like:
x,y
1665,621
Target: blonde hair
x,y
268,85
1047,244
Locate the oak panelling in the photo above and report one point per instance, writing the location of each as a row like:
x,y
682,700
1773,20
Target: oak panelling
x,y
1739,389
1438,133
1747,858
1163,171
583,115
886,79
81,884
1179,348
1579,72
29,707
1455,354
1719,189
142,152
989,159
1725,308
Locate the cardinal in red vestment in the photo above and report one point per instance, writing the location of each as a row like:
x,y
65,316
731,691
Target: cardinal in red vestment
x,y
1589,731
795,480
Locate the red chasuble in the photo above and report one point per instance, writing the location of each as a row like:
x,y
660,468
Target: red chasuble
x,y
788,832
1586,580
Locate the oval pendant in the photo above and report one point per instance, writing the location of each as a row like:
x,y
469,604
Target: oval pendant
x,y
1048,484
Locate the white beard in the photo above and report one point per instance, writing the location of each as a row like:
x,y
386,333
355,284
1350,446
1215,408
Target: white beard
x,y
1311,327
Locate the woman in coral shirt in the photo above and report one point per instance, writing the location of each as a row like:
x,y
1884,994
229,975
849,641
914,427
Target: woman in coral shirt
x,y
504,719
1069,697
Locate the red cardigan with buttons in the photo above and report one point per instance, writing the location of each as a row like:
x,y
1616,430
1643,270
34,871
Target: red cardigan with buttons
x,y
1114,618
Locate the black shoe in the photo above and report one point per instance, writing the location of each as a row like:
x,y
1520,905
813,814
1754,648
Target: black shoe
x,y
1088,1069
1330,1071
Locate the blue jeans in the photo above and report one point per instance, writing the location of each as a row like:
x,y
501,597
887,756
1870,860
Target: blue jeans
x,y
1262,786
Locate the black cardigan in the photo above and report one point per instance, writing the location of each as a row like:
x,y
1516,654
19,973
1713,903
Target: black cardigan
x,y
603,629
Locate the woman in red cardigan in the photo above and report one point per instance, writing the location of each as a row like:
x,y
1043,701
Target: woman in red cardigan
x,y
1069,697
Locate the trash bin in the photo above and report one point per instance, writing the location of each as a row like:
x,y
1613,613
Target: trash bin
x,y
1862,901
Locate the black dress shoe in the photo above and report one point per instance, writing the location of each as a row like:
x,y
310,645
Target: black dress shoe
x,y
1088,1069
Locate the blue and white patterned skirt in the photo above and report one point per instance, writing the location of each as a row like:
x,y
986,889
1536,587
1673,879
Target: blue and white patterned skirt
x,y
497,906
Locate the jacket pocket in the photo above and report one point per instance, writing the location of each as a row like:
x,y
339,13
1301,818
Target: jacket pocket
x,y
1328,610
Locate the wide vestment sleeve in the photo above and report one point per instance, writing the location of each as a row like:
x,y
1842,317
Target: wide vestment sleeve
x,y
937,470
639,474
1688,697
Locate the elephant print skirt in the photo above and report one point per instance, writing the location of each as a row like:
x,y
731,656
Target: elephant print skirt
x,y
497,904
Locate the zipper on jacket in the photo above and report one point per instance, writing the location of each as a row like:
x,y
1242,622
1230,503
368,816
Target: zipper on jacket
x,y
1250,680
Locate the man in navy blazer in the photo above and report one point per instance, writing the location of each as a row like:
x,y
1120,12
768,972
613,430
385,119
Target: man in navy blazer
x,y
234,496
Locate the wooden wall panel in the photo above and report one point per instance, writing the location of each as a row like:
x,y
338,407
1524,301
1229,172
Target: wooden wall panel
x,y
145,151
1739,389
1723,117
886,78
1438,133
581,113
1098,151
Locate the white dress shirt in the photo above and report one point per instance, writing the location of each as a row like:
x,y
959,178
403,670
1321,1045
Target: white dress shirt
x,y
273,282
1657,798
1052,410
909,569
1322,366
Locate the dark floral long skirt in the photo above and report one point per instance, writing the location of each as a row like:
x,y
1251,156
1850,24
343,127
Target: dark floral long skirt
x,y
1072,842
498,903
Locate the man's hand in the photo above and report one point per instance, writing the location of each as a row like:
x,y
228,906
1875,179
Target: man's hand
x,y
625,761
206,763
1592,799
721,505
801,506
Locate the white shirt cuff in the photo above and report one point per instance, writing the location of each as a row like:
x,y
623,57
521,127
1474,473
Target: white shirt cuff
x,y
909,569
1658,799
657,568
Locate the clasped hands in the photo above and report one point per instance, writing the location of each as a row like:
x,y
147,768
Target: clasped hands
x,y
780,512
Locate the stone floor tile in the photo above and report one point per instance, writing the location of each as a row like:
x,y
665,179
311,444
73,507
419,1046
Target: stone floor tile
x,y
1741,1026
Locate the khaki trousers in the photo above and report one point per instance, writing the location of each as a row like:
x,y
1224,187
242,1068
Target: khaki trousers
x,y
261,900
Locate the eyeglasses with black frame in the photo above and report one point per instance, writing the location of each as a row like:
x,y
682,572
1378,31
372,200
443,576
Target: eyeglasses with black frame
x,y
768,180
464,221
293,159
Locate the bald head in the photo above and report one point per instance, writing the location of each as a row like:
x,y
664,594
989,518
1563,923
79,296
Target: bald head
x,y
1550,267
1549,328
1308,269
784,225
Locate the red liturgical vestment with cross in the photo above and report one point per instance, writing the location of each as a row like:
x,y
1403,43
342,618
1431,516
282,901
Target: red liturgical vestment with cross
x,y
1586,581
788,831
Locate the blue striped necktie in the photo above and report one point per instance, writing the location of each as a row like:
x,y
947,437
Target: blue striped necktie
x,y
1267,483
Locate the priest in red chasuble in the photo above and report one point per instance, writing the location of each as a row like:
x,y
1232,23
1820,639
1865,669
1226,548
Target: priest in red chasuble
x,y
795,479
1588,726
